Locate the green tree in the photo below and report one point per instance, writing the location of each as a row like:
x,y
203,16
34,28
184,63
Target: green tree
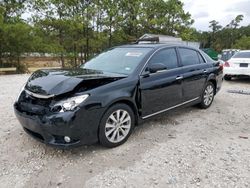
x,y
15,34
131,11
236,21
86,27
51,16
243,43
214,25
11,9
2,38
178,21
112,18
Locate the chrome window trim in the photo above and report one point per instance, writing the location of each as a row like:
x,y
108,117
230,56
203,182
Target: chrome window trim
x,y
176,48
38,95
159,112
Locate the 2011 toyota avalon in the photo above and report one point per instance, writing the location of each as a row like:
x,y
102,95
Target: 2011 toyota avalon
x,y
107,96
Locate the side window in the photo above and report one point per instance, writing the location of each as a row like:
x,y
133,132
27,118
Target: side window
x,y
209,59
201,58
188,57
167,57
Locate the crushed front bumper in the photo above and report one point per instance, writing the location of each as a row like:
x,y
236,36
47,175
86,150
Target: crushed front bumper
x,y
80,125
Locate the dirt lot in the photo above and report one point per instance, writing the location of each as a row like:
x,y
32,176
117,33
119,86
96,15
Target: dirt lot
x,y
186,148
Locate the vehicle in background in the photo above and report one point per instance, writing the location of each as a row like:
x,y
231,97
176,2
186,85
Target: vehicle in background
x,y
238,65
211,53
228,53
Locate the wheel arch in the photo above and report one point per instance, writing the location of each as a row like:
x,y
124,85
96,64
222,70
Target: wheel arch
x,y
212,79
128,102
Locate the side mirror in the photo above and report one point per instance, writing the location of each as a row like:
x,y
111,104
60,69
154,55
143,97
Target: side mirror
x,y
153,68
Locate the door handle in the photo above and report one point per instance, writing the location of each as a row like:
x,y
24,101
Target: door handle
x,y
179,77
205,71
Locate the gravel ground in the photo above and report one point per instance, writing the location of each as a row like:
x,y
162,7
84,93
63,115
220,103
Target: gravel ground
x,y
186,148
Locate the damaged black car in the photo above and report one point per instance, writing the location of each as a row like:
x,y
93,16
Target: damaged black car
x,y
102,100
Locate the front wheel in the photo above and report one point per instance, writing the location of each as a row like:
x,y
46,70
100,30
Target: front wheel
x,y
208,95
116,125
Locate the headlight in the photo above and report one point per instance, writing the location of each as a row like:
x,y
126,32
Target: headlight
x,y
71,103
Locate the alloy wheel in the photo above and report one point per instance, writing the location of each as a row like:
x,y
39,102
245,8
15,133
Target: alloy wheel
x,y
117,126
208,95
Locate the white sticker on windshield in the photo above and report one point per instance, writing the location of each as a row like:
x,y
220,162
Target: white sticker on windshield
x,y
134,54
127,68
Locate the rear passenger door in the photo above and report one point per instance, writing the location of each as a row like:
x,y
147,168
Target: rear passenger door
x,y
194,73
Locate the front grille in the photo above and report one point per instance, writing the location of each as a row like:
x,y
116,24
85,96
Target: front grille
x,y
32,100
33,106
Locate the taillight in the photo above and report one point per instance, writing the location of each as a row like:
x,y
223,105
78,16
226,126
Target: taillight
x,y
226,64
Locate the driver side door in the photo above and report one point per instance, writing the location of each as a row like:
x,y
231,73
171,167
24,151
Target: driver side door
x,y
161,90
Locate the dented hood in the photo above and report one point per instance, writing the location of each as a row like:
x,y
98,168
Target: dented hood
x,y
60,81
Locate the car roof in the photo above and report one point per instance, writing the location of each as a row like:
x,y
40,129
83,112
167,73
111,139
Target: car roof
x,y
155,45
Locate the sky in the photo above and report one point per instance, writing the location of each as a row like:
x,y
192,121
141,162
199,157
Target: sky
x,y
223,11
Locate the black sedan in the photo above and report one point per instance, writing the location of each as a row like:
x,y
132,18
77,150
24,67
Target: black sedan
x,y
104,99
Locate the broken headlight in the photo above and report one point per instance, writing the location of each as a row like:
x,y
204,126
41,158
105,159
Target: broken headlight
x,y
70,103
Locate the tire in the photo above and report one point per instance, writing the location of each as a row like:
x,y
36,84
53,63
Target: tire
x,y
227,77
207,96
112,132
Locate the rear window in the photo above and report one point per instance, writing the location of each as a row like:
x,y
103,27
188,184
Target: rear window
x,y
242,55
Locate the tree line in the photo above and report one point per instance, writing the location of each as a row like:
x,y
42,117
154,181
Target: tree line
x,y
76,30
230,36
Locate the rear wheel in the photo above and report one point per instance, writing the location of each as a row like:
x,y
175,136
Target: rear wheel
x,y
227,77
208,95
116,125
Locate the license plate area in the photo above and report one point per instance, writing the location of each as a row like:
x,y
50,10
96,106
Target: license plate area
x,y
243,64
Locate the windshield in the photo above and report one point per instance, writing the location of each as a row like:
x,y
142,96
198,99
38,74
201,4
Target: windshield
x,y
117,60
242,55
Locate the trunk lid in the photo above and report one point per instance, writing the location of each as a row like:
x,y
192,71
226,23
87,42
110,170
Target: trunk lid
x,y
239,62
